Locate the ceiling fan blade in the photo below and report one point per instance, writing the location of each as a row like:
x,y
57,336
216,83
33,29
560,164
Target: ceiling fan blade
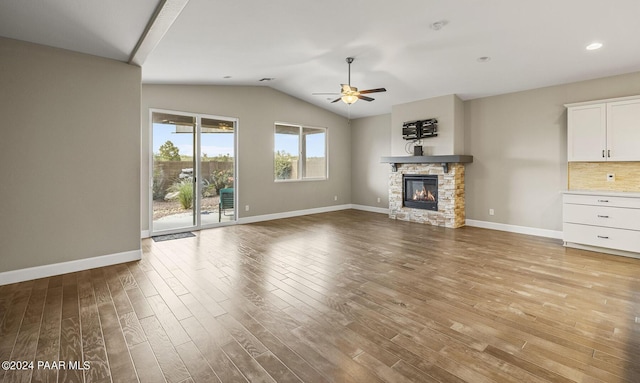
x,y
373,90
365,98
336,100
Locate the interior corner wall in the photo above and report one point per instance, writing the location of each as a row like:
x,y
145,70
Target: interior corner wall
x,y
257,109
458,139
69,156
519,147
370,178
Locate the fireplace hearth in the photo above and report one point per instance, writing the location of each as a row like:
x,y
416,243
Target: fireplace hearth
x,y
420,191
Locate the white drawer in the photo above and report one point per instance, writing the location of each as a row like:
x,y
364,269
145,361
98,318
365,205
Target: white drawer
x,y
627,240
622,218
600,200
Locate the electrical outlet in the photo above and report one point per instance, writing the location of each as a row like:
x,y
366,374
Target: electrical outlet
x,y
492,212
335,197
246,207
378,199
611,177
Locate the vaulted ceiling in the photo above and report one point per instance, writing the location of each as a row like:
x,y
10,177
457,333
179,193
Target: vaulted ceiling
x,y
416,49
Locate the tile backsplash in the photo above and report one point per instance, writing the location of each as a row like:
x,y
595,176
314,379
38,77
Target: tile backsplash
x,y
593,176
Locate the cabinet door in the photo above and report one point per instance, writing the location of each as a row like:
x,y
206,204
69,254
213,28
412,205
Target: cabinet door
x,y
623,131
587,133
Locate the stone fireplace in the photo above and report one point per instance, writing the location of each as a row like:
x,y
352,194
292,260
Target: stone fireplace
x,y
414,177
420,191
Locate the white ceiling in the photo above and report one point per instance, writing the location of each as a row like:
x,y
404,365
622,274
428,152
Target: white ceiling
x,y
106,28
303,44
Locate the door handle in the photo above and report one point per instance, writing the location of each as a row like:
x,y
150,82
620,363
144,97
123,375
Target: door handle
x,y
602,153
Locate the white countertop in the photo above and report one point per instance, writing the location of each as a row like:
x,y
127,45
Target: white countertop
x,y
603,193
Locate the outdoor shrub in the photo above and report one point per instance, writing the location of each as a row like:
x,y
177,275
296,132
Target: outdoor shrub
x,y
221,179
184,190
283,165
158,184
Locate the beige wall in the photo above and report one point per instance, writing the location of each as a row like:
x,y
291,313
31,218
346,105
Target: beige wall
x,y
257,109
518,142
448,111
370,179
69,156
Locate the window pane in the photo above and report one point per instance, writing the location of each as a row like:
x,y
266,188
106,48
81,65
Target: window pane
x,y
315,160
287,140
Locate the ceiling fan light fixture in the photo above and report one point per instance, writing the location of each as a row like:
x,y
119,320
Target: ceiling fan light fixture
x,y
350,94
349,99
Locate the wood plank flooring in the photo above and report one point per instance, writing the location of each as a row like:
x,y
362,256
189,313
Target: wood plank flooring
x,y
348,296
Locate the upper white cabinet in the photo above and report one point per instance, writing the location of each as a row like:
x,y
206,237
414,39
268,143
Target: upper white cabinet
x,y
605,130
587,132
623,130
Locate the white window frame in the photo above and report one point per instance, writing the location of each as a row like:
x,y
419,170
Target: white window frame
x,y
302,157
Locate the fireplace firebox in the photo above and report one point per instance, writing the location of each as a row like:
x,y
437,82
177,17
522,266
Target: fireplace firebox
x,y
420,191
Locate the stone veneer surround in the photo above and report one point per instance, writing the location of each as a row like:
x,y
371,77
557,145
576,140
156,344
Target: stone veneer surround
x,y
451,208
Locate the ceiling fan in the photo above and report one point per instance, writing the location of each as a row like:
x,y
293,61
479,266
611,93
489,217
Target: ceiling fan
x,y
350,94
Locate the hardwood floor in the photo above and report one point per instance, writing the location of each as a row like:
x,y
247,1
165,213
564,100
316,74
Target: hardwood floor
x,y
348,296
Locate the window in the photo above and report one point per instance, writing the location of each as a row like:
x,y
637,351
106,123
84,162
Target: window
x,y
300,152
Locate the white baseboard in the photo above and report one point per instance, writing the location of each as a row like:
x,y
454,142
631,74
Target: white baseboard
x,y
515,229
372,209
289,214
44,271
469,222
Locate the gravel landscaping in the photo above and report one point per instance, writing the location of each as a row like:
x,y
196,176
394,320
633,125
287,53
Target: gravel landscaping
x,y
167,208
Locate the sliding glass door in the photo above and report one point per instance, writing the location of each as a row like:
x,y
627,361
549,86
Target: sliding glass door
x,y
217,169
193,171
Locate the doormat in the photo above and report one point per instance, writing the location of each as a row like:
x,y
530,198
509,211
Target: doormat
x,y
168,237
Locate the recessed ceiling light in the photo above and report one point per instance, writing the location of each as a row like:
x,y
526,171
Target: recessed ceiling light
x,y
594,46
483,59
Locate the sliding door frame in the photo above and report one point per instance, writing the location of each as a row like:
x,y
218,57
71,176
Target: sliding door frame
x,y
196,170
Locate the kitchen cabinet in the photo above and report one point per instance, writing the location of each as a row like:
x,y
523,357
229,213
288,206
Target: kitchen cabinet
x,y
602,221
604,130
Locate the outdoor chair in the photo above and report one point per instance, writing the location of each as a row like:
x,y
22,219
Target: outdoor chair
x,y
226,203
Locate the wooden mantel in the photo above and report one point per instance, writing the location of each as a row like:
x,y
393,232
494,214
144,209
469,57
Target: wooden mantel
x,y
444,160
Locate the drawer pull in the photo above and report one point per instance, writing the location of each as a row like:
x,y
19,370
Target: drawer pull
x,y
603,200
603,216
603,237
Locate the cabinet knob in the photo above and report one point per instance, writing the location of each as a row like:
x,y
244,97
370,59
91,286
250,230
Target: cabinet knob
x,y
603,237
